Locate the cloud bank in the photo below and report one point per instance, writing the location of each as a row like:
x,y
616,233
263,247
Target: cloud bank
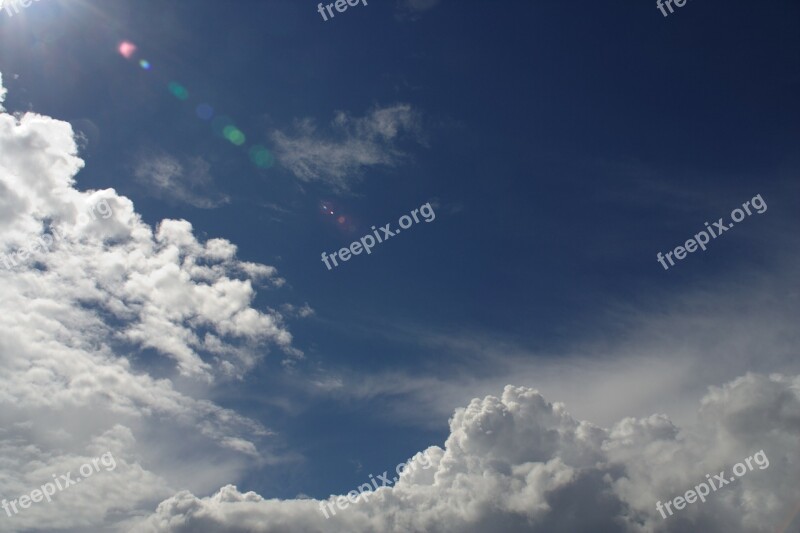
x,y
519,463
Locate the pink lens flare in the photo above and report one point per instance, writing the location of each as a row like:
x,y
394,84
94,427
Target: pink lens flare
x,y
127,49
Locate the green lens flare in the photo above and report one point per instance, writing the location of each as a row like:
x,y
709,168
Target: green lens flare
x,y
178,91
261,157
219,123
234,135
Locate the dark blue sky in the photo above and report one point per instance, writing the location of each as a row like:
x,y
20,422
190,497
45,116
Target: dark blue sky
x,y
562,145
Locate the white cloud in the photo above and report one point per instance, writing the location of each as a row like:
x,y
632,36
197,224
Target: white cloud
x,y
190,181
83,505
659,353
3,92
75,325
353,145
70,391
303,311
519,463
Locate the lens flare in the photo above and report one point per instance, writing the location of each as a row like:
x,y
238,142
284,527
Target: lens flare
x,y
127,49
178,90
221,125
204,111
261,157
234,135
237,138
326,207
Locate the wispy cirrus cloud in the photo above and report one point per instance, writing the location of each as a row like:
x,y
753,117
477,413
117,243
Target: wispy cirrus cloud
x,y
187,181
352,144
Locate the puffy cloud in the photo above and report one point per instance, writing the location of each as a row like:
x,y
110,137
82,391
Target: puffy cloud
x,y
3,92
520,463
164,284
355,144
90,319
112,334
118,482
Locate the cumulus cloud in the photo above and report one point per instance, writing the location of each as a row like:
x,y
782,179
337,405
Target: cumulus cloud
x,y
85,505
3,92
188,181
518,463
112,335
354,144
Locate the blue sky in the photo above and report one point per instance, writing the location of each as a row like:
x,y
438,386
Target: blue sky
x,y
561,146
